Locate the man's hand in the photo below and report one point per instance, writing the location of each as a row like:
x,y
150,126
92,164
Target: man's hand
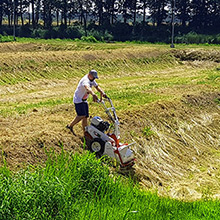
x,y
95,98
104,95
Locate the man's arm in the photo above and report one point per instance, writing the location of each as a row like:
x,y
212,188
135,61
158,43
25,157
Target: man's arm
x,y
101,91
89,91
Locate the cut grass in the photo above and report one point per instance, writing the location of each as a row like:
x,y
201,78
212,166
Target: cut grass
x,y
80,187
16,108
127,92
61,67
111,60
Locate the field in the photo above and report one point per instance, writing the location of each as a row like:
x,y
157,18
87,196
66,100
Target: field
x,y
167,100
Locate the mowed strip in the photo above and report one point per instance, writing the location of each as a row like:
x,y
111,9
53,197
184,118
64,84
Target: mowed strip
x,y
125,90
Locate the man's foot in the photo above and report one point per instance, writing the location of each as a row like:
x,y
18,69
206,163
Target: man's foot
x,y
71,129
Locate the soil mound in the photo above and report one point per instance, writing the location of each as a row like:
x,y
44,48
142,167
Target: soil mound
x,y
197,54
179,157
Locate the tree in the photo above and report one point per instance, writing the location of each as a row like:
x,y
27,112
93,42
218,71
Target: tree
x,y
133,8
124,9
183,11
200,18
72,10
57,8
33,12
47,13
37,14
64,10
158,10
109,15
144,8
98,10
83,9
9,11
215,14
112,10
2,10
21,7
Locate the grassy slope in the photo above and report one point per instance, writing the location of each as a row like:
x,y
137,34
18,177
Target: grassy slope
x,y
119,64
152,89
79,187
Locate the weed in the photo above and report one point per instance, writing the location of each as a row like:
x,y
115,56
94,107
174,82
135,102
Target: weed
x,y
147,132
217,101
89,39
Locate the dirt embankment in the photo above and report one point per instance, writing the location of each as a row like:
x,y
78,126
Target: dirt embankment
x,y
178,155
179,158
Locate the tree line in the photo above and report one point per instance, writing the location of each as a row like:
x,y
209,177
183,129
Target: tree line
x,y
201,16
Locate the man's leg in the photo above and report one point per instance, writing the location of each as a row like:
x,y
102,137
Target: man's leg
x,y
82,114
84,123
76,120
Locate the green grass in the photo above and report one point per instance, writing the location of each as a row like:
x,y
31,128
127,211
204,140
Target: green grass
x,y
210,77
124,99
84,45
6,38
217,101
80,187
17,108
147,132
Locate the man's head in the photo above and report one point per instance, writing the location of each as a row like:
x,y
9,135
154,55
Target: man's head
x,y
93,75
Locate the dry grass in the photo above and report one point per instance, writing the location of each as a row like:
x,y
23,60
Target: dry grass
x,y
173,98
179,159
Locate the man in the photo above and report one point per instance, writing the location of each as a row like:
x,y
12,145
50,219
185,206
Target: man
x,y
81,94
